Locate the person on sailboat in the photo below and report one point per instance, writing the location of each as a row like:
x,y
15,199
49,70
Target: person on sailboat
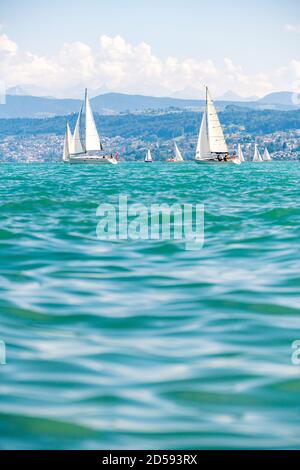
x,y
222,158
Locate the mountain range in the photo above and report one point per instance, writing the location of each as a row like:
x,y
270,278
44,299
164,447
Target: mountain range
x,y
20,105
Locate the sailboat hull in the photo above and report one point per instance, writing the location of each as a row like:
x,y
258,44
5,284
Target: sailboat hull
x,y
234,161
96,160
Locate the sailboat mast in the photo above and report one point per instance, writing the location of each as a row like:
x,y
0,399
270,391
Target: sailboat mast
x,y
85,101
206,108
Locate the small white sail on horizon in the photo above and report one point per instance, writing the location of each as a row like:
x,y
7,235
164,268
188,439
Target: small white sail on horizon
x,y
178,157
257,155
267,156
240,153
148,157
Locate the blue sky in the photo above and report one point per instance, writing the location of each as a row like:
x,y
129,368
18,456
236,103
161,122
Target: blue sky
x,y
260,37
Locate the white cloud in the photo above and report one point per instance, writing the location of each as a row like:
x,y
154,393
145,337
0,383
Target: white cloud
x,y
118,65
295,66
7,46
292,28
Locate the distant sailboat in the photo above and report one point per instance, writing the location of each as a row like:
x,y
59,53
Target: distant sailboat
x,y
211,144
177,155
267,156
148,157
257,155
240,153
76,149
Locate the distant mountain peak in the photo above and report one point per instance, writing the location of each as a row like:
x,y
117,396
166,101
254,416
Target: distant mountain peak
x,y
189,93
27,90
232,96
17,90
279,98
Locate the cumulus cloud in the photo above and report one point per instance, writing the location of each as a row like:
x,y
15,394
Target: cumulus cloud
x,y
118,65
292,28
7,47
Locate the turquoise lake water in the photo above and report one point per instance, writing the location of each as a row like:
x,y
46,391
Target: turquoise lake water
x,y
144,344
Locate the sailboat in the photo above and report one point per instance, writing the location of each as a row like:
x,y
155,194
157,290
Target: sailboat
x,y
211,144
257,155
240,153
267,156
177,155
78,150
148,157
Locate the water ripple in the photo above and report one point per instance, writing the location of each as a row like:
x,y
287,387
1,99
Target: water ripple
x,y
142,344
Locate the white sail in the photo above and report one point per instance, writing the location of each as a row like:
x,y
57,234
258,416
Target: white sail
x,y
178,156
66,154
76,140
148,157
217,141
257,156
70,139
92,140
203,149
67,144
240,153
266,156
